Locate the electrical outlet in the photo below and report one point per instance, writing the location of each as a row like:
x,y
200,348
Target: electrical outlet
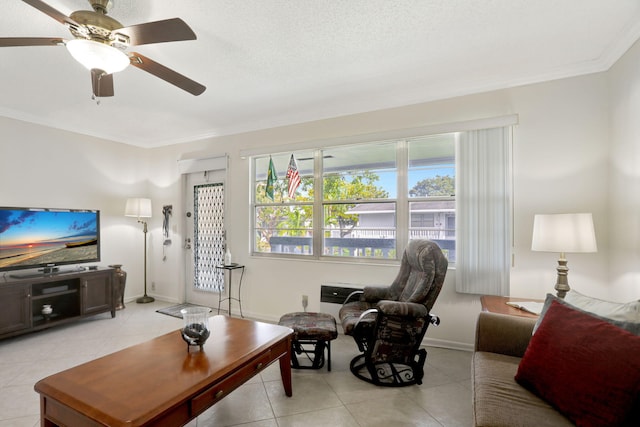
x,y
305,301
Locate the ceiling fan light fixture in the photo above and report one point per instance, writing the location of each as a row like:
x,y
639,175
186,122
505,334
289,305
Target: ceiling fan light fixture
x,y
95,55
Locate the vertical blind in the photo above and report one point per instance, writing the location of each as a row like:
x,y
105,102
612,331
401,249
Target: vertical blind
x,y
484,211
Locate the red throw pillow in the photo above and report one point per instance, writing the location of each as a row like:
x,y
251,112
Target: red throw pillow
x,y
588,369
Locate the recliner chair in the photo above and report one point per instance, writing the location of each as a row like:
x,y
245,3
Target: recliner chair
x,y
388,323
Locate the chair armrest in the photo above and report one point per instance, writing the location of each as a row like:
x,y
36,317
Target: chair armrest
x,y
400,308
351,295
503,334
367,313
364,326
375,293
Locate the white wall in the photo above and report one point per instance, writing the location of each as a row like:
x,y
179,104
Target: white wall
x,y
575,150
44,167
560,165
624,187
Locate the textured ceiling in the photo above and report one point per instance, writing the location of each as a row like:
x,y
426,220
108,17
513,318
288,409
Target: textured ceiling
x,y
268,63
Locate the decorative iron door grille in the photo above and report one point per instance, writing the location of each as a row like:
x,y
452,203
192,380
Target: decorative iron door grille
x,y
208,237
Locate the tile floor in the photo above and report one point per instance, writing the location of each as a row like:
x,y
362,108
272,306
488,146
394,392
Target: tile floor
x,y
320,398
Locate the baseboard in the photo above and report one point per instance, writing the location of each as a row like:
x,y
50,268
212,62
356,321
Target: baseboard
x,y
451,345
258,317
157,298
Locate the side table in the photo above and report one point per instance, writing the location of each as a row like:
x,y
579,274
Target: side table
x,y
495,304
230,268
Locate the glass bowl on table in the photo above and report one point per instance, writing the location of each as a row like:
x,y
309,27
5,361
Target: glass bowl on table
x,y
196,326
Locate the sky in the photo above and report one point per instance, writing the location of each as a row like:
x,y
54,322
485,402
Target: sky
x,y
31,226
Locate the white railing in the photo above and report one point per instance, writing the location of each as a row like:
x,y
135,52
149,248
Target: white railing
x,y
430,233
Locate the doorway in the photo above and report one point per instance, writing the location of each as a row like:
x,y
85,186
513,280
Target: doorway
x,y
205,237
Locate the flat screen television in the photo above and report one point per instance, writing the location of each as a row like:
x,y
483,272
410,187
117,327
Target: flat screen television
x,y
40,238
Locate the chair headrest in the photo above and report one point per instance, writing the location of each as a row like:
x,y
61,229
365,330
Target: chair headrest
x,y
423,254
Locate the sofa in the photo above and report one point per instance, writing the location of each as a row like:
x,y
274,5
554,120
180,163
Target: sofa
x,y
498,400
569,367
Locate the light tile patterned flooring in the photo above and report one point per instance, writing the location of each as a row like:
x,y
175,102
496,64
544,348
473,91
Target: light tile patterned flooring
x,y
320,398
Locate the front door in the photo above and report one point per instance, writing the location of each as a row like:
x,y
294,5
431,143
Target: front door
x,y
205,237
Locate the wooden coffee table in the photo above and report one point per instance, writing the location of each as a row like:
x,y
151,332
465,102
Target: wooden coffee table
x,y
159,383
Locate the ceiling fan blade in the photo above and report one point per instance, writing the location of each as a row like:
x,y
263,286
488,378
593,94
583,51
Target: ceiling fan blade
x,y
30,41
166,74
54,13
168,30
102,83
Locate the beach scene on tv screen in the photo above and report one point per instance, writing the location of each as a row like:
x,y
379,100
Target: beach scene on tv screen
x,y
36,237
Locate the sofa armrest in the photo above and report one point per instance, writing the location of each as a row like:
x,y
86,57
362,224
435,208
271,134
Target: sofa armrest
x,y
504,334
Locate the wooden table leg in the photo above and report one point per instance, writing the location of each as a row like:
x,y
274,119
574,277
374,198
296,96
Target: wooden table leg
x,y
44,422
285,370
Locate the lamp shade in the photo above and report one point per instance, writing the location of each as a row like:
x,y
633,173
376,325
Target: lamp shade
x,y
95,55
138,207
564,233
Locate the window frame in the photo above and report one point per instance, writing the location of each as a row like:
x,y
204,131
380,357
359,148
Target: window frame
x,y
255,205
402,202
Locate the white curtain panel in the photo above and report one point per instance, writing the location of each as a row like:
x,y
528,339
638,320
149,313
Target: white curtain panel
x,y
484,211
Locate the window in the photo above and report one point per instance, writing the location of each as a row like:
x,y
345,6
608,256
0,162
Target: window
x,y
422,220
360,201
367,200
359,187
431,187
283,224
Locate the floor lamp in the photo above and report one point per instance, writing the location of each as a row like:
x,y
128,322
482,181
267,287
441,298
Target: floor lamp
x,y
141,208
563,233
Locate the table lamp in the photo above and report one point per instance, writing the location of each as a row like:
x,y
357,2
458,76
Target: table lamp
x,y
563,233
141,208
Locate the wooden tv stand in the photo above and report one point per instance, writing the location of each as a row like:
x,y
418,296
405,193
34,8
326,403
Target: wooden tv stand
x,y
72,296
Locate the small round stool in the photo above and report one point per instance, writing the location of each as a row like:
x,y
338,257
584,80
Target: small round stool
x,y
310,329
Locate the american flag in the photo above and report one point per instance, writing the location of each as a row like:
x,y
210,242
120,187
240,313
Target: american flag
x,y
293,176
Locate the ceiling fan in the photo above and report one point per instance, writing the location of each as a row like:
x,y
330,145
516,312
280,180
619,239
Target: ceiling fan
x,y
100,44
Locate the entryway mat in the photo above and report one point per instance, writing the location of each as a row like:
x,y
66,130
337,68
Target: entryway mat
x,y
174,310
